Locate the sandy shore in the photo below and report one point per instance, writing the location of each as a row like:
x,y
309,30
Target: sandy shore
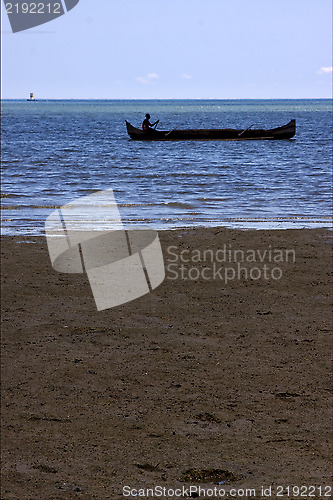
x,y
199,382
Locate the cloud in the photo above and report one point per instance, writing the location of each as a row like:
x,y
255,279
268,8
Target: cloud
x,y
148,79
185,76
324,70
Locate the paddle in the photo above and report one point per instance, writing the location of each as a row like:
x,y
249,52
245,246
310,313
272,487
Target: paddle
x,y
155,124
243,131
168,133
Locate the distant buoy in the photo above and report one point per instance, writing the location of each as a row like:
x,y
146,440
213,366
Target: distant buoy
x,y
31,97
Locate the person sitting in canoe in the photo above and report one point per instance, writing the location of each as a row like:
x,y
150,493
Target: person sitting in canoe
x,y
146,125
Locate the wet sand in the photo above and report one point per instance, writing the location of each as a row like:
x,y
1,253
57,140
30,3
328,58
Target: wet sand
x,y
199,382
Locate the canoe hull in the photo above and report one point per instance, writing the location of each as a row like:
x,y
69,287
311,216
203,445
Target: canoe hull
x,y
285,132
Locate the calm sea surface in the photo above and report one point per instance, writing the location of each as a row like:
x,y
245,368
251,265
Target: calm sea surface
x,y
55,151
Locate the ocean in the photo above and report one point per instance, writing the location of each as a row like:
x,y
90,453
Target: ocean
x,y
54,151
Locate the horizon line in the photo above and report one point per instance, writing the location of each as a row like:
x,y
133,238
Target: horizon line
x,y
166,99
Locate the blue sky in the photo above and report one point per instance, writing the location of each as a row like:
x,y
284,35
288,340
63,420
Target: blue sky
x,y
154,49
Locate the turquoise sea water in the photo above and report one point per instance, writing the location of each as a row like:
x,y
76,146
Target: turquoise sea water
x,y
55,151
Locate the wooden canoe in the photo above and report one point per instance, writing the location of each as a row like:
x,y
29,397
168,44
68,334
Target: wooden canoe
x,y
285,132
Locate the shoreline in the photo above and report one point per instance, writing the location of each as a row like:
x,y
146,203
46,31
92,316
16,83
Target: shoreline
x,y
258,225
203,375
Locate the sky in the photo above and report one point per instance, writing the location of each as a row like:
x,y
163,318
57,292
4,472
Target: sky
x,y
174,49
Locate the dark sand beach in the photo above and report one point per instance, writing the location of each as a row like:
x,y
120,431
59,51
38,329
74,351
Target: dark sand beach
x,y
199,382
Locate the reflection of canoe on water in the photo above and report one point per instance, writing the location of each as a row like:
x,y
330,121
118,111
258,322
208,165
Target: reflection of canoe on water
x,y
285,132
